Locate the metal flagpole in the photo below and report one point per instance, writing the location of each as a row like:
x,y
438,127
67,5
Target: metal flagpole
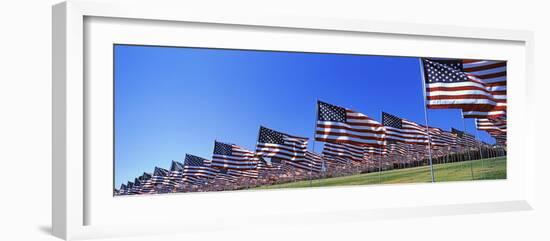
x,y
379,166
422,78
468,148
480,151
314,132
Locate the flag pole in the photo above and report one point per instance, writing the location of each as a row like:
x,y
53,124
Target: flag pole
x,y
314,132
423,79
480,151
468,148
379,167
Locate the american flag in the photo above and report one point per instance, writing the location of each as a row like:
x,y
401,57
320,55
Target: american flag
x,y
343,152
500,139
491,125
231,156
402,130
272,143
375,151
197,167
263,165
341,125
493,74
129,187
448,86
313,162
174,177
496,127
146,183
251,173
223,176
122,190
396,148
418,149
464,139
137,186
159,176
441,137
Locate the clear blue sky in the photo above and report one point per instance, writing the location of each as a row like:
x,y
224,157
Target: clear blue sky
x,y
172,101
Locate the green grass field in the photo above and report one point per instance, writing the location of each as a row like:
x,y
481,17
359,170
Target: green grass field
x,y
490,169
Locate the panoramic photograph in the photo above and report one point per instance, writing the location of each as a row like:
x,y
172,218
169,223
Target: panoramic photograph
x,y
193,119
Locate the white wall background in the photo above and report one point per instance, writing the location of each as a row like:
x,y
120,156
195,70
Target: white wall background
x,y
25,119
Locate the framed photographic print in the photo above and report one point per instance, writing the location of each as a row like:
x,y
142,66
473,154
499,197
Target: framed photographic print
x,y
179,112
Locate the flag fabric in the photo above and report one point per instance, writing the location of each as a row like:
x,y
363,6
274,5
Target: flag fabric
x,y
478,87
491,124
401,130
272,143
159,176
263,165
192,180
147,185
448,86
419,149
496,127
375,151
343,152
174,177
250,173
137,186
500,139
122,189
313,162
130,187
223,176
396,148
231,156
464,139
441,138
493,74
197,167
341,125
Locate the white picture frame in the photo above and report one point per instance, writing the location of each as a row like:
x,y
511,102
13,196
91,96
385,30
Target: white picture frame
x,y
76,199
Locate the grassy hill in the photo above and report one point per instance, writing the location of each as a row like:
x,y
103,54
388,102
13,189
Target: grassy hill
x,y
492,168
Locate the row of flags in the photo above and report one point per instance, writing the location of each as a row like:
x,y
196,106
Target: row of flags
x,y
360,142
477,88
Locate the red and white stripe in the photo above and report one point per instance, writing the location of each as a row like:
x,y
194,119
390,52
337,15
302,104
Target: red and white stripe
x,y
493,75
342,152
411,133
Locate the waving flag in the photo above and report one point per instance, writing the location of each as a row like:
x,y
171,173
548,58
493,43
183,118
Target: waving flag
x,y
493,74
313,162
146,183
441,137
341,125
250,173
173,177
197,167
464,139
263,165
401,130
280,145
343,152
123,189
395,148
448,86
375,151
130,187
496,127
223,176
160,175
231,156
491,125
